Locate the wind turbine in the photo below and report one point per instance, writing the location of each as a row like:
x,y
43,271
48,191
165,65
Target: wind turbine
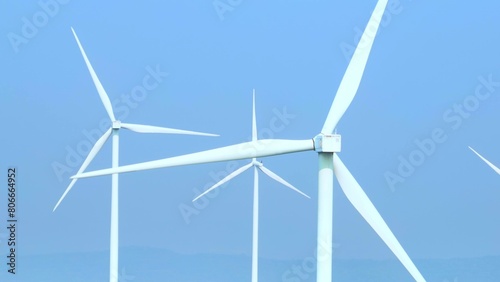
x,y
326,144
113,131
257,166
486,161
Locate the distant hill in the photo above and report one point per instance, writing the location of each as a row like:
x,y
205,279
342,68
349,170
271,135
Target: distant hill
x,y
151,265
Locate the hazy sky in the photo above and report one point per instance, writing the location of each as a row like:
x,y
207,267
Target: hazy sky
x,y
433,74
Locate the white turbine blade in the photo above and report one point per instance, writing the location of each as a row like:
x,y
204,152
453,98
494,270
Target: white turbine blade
x,y
365,207
102,93
64,194
352,77
486,161
225,179
156,129
97,146
254,122
247,150
281,180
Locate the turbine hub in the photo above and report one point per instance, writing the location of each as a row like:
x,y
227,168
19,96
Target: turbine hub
x,y
327,143
117,124
257,163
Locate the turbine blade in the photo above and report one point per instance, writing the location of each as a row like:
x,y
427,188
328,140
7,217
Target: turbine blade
x,y
156,129
352,77
365,207
93,152
281,180
102,93
225,179
64,194
247,150
486,161
254,122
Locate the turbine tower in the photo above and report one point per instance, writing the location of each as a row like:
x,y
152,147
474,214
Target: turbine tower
x,y
113,131
327,145
257,166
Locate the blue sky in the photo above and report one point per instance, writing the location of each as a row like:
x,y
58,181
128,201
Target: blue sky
x,y
427,61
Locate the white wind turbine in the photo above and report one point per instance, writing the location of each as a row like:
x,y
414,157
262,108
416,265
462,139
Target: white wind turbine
x,y
114,130
496,169
326,144
256,165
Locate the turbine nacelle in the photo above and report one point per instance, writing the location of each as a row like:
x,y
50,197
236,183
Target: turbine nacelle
x,y
327,143
117,124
